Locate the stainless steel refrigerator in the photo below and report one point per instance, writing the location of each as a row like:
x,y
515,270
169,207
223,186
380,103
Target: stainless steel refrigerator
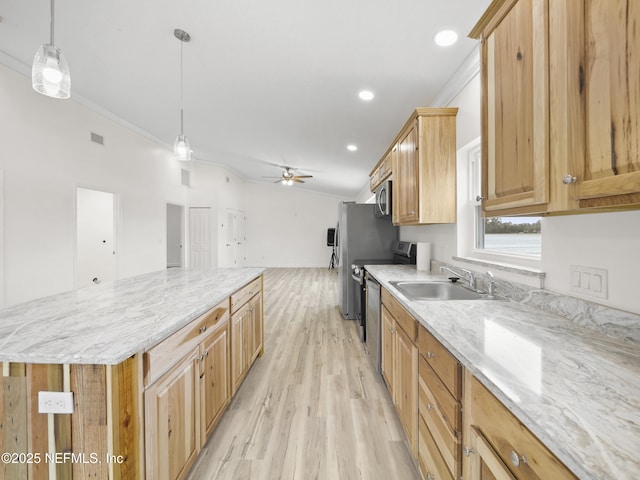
x,y
360,236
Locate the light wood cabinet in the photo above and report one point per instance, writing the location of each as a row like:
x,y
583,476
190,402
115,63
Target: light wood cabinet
x,y
400,364
425,170
515,120
498,443
247,337
381,171
172,420
440,395
214,376
560,109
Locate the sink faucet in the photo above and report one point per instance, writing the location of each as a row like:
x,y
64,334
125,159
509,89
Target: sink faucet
x,y
470,277
492,283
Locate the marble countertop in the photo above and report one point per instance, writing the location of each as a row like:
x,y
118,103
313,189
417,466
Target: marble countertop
x,y
576,389
110,322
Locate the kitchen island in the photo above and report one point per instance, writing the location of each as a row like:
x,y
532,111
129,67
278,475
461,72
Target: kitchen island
x,y
576,389
112,345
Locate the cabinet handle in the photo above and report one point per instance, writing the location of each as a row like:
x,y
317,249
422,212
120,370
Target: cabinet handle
x,y
206,353
479,198
516,459
430,406
430,355
569,179
431,477
201,357
468,451
203,328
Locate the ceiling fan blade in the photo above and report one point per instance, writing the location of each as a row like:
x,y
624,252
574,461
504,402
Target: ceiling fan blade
x,y
303,176
297,180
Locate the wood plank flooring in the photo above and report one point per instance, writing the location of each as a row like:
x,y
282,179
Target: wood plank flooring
x,y
312,407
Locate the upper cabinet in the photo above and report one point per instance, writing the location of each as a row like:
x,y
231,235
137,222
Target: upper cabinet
x,y
423,162
560,105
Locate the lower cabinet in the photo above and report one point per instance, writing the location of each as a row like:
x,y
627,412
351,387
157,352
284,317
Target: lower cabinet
x,y
498,445
215,391
191,376
400,364
455,427
172,420
247,339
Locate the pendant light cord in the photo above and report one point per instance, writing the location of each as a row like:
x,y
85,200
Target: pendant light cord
x,y
181,91
52,22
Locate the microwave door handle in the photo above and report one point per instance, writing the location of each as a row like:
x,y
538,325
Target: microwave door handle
x,y
379,196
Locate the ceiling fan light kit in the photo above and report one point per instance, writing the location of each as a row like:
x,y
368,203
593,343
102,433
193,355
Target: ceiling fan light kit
x,y
181,146
288,178
50,73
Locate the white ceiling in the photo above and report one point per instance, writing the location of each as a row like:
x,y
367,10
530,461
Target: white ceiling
x,y
266,83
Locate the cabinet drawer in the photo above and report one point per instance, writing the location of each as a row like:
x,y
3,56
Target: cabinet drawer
x,y
404,318
443,363
429,458
243,295
442,417
510,438
163,356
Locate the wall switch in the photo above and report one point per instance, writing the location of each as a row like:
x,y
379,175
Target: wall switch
x,y
589,281
55,402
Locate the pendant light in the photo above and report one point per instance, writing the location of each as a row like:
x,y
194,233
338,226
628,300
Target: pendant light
x,y
50,72
181,146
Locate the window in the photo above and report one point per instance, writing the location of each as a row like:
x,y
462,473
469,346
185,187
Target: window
x,y
519,236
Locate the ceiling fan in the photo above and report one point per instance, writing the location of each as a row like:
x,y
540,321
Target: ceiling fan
x,y
288,177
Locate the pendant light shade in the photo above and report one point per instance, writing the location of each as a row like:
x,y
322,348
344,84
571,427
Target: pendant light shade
x,y
181,146
50,74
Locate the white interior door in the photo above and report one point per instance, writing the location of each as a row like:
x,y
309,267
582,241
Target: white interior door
x,y
241,239
95,237
200,252
175,236
228,231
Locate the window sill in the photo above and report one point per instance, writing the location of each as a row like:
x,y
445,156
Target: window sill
x,y
524,274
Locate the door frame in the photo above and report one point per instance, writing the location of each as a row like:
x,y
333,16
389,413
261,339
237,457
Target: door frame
x,y
116,228
183,231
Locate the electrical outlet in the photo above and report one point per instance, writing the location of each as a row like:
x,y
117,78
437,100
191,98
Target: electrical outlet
x,y
589,281
55,402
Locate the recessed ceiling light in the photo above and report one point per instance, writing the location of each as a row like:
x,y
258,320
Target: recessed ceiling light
x,y
352,148
446,38
366,95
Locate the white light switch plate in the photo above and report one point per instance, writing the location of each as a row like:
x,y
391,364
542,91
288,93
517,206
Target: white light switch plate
x,y
55,402
589,281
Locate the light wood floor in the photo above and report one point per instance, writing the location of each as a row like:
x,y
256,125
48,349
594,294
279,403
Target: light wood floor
x,y
312,407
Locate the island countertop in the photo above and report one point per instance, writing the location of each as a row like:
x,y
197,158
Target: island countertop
x,y
108,323
576,389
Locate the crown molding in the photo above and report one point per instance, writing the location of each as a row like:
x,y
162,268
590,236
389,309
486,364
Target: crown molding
x,y
467,71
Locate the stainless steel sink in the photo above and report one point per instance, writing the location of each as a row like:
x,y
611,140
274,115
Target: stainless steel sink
x,y
416,290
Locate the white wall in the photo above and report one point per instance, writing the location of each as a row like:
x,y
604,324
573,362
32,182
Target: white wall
x,y
47,154
287,226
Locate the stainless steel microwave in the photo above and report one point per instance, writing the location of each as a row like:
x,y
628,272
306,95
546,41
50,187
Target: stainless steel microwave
x,y
383,199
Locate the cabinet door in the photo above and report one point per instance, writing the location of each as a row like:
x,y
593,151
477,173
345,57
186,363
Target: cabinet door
x,y
612,103
257,327
216,390
406,386
172,420
408,177
388,349
484,463
515,116
238,355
